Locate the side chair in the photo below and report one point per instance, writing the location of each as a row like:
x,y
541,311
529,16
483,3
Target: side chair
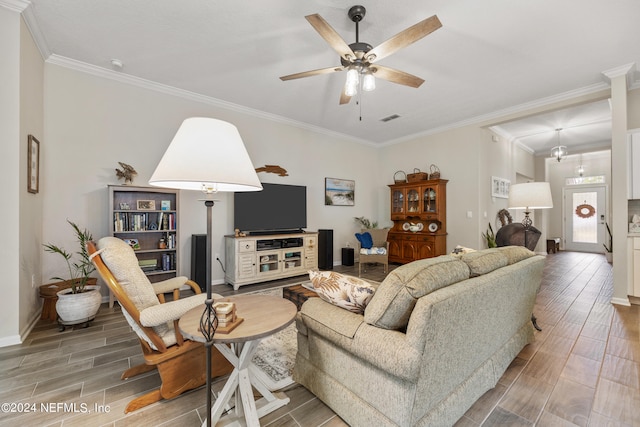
x,y
379,237
181,363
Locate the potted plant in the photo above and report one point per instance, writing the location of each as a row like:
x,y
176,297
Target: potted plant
x,y
365,223
490,237
608,250
79,296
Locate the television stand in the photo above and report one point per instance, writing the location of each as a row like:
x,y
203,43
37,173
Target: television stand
x,y
259,258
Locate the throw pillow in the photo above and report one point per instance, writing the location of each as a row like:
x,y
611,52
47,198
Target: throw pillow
x,y
485,261
365,239
348,292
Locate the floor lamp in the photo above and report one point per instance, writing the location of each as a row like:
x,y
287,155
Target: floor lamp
x,y
529,196
207,155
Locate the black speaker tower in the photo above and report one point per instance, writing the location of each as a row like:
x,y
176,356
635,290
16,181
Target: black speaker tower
x,y
325,249
199,260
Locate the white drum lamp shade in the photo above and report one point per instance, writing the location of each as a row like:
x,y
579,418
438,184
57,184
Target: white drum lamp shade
x,y
206,155
530,195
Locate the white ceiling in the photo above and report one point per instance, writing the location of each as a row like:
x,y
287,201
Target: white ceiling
x,y
490,57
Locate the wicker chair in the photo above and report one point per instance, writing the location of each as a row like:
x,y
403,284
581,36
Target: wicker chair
x,y
181,363
379,237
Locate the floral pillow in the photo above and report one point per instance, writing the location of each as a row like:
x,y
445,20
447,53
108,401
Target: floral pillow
x,y
348,292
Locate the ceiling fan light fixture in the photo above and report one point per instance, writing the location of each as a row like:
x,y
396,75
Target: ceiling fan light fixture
x,y
368,81
352,76
350,89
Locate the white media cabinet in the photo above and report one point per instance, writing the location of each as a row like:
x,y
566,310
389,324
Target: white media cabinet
x,y
259,258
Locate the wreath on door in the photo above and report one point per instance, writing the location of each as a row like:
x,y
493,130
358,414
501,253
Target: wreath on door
x,y
585,211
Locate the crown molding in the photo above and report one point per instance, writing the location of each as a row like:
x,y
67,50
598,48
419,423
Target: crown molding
x,y
627,70
34,28
191,96
497,115
15,5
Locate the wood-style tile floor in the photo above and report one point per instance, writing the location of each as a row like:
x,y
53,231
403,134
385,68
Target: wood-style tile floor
x,y
583,369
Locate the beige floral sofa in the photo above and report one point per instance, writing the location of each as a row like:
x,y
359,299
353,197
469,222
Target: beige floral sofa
x,y
436,335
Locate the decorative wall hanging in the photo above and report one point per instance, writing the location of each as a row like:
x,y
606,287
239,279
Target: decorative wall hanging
x,y
278,170
339,192
127,173
33,159
585,210
500,187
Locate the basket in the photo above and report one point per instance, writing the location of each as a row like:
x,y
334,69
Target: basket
x,y
434,172
400,181
417,176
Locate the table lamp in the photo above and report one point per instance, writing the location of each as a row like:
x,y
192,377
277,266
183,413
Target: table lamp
x,y
207,155
529,196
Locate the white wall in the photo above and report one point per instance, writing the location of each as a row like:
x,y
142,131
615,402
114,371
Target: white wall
x,y
10,191
31,211
94,122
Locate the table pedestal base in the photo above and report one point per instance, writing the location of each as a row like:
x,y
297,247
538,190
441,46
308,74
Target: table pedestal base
x,y
241,383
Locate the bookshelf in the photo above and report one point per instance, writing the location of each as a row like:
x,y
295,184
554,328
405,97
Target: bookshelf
x,y
147,219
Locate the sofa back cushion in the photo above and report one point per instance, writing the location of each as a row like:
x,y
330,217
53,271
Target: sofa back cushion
x,y
515,253
484,261
393,302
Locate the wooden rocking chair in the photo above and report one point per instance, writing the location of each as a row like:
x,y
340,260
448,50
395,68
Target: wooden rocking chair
x,y
181,363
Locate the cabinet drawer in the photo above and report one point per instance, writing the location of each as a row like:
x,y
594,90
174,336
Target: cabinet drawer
x,y
246,245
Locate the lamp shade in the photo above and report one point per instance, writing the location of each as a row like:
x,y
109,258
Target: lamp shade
x,y
530,195
206,155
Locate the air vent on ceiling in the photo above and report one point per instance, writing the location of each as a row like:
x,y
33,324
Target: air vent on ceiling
x,y
389,118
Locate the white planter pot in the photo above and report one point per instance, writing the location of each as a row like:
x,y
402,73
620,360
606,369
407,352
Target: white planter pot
x,y
78,308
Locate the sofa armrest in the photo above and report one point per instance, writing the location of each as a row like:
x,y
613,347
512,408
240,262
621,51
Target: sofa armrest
x,y
385,349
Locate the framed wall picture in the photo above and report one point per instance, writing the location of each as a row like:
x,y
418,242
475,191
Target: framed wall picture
x,y
339,192
33,169
146,205
500,187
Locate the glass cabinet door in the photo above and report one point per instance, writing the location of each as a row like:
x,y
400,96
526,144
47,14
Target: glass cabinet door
x,y
397,204
413,201
429,200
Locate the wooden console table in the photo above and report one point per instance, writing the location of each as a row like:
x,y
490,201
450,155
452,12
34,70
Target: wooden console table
x,y
263,315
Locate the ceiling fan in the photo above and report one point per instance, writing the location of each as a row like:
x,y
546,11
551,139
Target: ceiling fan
x,y
359,58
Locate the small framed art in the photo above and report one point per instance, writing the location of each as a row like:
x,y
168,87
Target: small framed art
x,y
339,192
500,187
146,205
33,159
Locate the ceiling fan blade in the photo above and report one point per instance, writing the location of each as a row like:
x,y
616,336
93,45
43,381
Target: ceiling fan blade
x,y
396,76
404,39
331,36
344,98
310,73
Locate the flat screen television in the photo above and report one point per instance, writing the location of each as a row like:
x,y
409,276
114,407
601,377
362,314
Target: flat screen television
x,y
277,208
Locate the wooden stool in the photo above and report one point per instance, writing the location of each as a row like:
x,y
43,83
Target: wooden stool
x,y
553,245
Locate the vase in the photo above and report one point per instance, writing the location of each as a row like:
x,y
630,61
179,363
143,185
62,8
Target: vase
x,y
80,307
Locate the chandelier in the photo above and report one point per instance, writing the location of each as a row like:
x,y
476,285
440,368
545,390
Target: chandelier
x,y
559,152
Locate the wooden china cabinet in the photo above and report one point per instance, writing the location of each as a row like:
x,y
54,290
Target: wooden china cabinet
x,y
419,215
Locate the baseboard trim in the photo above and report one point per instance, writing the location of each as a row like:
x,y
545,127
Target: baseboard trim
x,y
621,301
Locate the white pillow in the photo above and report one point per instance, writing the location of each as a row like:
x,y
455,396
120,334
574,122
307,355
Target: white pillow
x,y
348,292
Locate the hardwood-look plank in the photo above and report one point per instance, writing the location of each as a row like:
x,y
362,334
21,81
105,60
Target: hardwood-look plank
x,y
617,401
526,397
571,401
591,348
581,370
623,371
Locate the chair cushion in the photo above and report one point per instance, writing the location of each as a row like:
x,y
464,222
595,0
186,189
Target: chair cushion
x,y
365,239
348,292
393,302
119,257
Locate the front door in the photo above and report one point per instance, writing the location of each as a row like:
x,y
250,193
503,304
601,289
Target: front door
x,y
585,214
